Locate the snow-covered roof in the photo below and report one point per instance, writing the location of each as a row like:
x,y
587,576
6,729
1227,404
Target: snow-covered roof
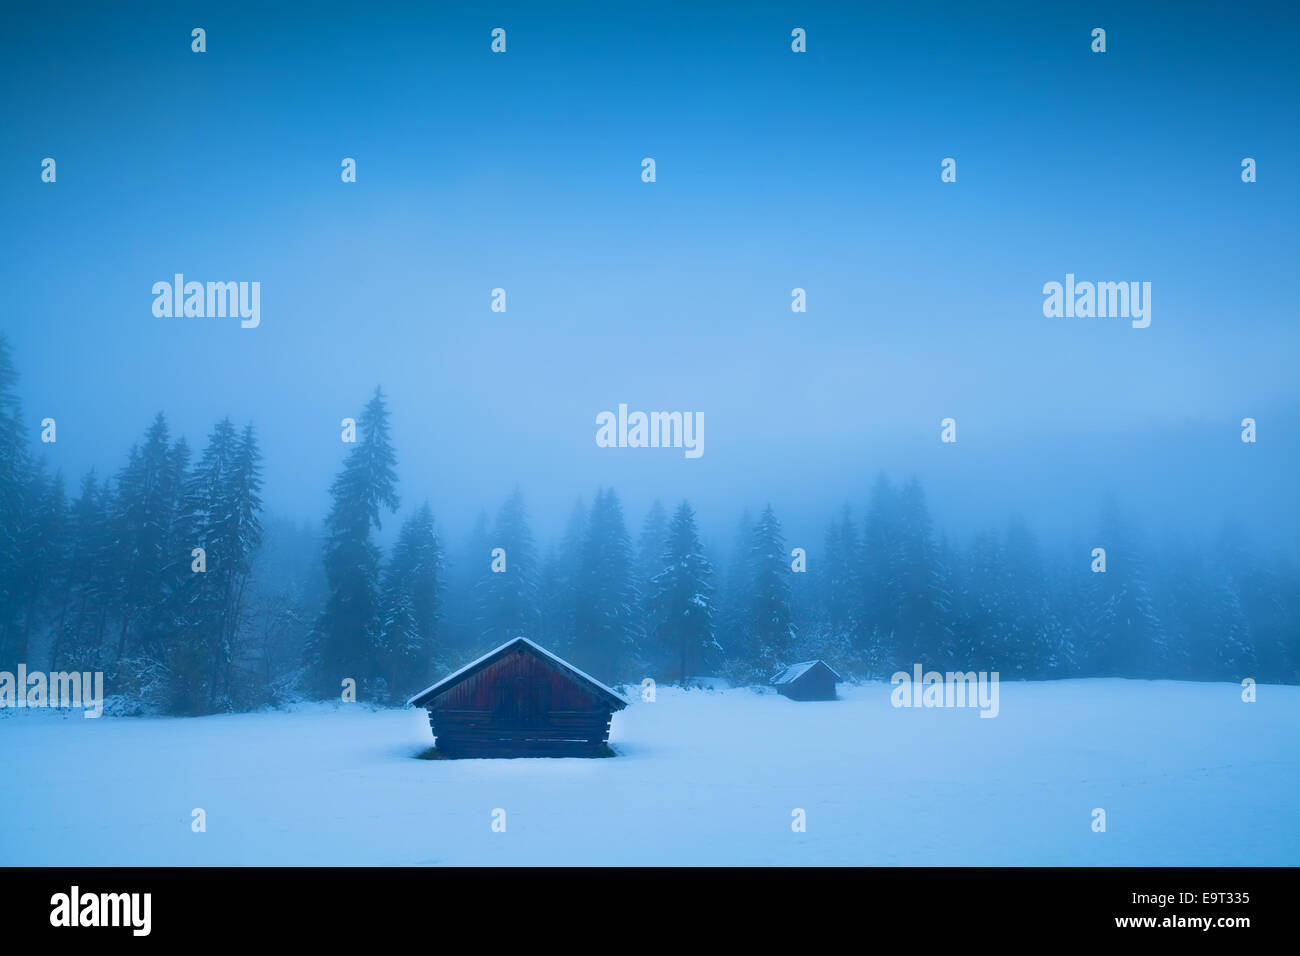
x,y
432,691
795,671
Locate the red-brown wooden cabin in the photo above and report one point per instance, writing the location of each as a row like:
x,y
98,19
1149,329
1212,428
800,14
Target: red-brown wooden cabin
x,y
807,680
519,700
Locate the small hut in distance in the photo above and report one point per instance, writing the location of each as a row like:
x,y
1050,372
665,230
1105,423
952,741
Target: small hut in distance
x,y
808,680
519,700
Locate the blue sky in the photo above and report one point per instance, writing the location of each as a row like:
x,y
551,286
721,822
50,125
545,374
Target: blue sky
x,y
775,170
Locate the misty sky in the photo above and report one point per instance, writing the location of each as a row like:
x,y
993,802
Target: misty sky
x,y
775,170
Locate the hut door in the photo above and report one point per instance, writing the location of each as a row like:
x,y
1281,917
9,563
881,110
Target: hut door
x,y
504,700
514,703
533,701
522,698
523,702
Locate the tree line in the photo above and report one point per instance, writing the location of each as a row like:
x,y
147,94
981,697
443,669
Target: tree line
x,y
167,576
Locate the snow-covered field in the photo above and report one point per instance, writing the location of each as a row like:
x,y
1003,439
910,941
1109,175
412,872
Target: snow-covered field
x,y
1187,774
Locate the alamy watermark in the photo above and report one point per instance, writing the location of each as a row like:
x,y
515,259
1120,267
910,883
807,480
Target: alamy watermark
x,y
215,300
59,689
75,908
652,430
1102,300
951,689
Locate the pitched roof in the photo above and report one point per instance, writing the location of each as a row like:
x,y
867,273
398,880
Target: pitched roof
x,y
795,671
616,701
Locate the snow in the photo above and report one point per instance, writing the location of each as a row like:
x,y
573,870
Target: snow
x,y
1187,773
453,677
795,671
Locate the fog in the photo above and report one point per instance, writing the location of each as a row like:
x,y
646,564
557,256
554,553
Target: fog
x,y
774,172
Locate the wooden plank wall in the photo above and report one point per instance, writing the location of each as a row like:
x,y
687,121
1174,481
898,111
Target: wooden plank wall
x,y
519,705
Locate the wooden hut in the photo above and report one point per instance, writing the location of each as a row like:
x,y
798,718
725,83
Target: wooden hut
x,y
809,680
519,700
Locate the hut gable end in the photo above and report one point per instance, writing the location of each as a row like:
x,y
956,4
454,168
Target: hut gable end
x,y
520,678
611,700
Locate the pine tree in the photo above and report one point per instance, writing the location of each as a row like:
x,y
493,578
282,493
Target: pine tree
x,y
772,628
81,580
947,601
41,557
1234,650
605,617
981,637
220,512
683,597
346,635
94,553
466,573
1124,635
285,594
649,562
558,592
14,484
237,523
733,630
411,603
144,524
507,600
197,599
878,613
919,632
1260,595
1033,633
1288,606
160,622
838,573
550,632
1185,609
245,496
